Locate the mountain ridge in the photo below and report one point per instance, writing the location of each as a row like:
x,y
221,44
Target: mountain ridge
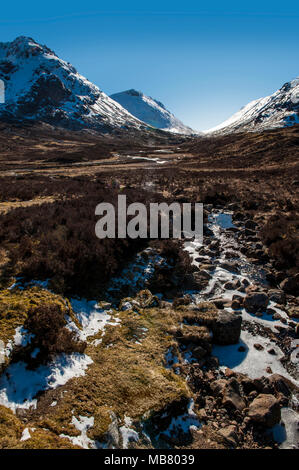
x,y
41,86
281,109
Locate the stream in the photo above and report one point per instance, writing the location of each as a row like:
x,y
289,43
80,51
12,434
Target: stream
x,y
19,386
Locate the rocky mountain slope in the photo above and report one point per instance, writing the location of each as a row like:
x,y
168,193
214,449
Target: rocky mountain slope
x,y
151,111
278,110
40,86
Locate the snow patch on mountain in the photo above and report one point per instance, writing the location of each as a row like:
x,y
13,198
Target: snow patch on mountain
x,y
278,110
151,111
41,86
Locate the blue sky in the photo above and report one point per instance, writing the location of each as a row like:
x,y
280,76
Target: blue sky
x,y
204,62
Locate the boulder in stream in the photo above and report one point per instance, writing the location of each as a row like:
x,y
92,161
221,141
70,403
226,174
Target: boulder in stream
x,y
227,328
256,302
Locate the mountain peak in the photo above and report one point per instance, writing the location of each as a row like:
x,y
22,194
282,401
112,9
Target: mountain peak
x,y
24,47
151,111
42,87
26,40
133,92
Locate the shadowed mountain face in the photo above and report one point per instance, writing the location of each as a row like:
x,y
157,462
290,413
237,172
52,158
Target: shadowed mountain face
x,y
278,110
151,111
39,86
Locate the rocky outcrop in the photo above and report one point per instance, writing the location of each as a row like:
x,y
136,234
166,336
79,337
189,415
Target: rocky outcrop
x,y
196,281
277,296
229,391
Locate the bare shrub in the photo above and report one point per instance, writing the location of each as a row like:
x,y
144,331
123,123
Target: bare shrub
x,y
48,325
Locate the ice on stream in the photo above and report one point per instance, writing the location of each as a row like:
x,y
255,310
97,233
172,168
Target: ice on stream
x,y
151,159
252,362
249,361
286,433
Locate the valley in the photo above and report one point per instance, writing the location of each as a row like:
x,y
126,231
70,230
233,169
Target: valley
x,y
160,344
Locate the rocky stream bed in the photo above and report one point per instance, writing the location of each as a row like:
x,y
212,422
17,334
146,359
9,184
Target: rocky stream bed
x,y
227,369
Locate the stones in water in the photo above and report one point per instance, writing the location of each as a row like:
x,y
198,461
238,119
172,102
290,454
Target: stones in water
x,y
227,328
256,302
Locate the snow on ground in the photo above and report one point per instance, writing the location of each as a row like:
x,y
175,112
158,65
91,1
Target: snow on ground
x,y
266,319
277,110
191,247
35,66
128,434
91,316
244,113
153,159
21,337
82,424
20,284
151,111
218,220
25,435
19,385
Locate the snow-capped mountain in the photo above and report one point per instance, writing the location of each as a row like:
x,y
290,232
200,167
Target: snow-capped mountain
x,y
40,86
151,111
278,110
